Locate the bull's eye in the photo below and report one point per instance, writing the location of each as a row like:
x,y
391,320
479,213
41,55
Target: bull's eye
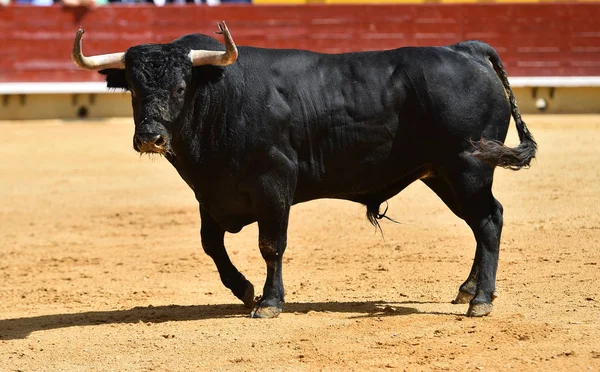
x,y
180,91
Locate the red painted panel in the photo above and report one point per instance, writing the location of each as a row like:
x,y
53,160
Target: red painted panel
x,y
532,39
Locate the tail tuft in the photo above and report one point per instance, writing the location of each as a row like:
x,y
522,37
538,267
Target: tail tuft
x,y
374,216
496,154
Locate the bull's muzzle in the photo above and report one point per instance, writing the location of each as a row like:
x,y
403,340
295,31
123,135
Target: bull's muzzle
x,y
149,142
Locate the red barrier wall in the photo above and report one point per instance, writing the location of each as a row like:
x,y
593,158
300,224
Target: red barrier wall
x,y
542,39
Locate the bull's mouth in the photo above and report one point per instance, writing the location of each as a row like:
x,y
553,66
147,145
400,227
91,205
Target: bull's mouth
x,y
152,148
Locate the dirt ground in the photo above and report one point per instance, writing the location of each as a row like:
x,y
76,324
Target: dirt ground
x,y
101,267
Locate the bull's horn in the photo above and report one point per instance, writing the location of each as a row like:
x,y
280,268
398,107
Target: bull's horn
x,y
99,62
211,57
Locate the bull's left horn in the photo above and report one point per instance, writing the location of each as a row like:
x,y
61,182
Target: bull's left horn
x,y
211,57
99,62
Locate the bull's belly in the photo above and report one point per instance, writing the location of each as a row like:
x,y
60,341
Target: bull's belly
x,y
355,185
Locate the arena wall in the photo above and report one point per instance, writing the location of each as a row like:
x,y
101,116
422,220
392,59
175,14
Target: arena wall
x,y
551,50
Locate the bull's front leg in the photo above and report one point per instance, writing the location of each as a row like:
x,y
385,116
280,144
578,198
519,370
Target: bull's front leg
x,y
271,302
213,243
272,241
273,214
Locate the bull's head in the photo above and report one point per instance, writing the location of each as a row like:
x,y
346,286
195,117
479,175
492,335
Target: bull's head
x,y
157,75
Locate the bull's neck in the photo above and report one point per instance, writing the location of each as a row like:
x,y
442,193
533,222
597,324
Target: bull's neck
x,y
202,128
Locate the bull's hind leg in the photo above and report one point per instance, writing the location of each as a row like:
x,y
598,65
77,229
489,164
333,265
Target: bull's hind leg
x,y
487,228
466,189
212,241
442,188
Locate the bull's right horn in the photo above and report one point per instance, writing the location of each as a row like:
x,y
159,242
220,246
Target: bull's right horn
x,y
99,62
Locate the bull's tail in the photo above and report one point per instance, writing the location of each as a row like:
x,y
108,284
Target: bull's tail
x,y
495,153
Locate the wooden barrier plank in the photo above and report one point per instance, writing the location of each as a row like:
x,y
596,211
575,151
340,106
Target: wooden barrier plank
x,y
557,39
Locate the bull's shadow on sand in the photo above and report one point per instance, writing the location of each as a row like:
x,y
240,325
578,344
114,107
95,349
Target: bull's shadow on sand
x,y
19,328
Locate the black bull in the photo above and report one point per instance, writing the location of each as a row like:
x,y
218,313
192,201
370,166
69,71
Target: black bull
x,y
253,135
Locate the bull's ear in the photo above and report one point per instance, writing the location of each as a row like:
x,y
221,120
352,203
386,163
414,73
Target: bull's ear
x,y
115,78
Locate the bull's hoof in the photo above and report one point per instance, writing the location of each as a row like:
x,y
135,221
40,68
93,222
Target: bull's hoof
x,y
480,309
266,312
248,297
463,298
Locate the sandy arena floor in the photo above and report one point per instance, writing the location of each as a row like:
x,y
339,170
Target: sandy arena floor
x,y
101,267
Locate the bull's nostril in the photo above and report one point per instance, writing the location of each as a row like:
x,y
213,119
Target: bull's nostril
x,y
148,142
159,140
